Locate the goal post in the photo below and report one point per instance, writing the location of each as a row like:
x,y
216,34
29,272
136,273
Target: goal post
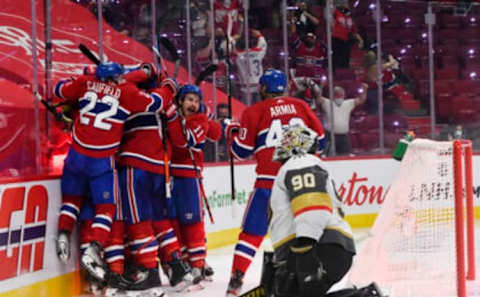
x,y
422,242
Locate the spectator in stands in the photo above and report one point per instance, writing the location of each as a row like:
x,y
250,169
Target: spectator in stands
x,y
228,18
251,62
394,89
342,109
200,11
310,56
344,34
305,21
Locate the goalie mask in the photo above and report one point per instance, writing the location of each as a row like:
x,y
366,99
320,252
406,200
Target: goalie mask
x,y
296,140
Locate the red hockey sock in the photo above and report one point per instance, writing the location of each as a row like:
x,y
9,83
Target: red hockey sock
x,y
245,250
85,234
114,249
194,236
143,245
168,240
69,212
102,222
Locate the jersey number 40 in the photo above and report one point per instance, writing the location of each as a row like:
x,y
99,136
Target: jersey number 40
x,y
274,135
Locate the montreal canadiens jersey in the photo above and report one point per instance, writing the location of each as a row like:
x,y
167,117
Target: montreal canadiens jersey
x,y
304,204
253,61
103,108
261,129
310,62
196,131
142,140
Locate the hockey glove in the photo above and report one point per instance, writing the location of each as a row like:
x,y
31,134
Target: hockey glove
x,y
230,127
309,270
170,110
171,83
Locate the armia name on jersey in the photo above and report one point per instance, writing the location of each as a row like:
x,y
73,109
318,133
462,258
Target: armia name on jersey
x,y
100,87
279,110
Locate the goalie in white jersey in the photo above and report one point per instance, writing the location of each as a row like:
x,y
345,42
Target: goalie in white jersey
x,y
313,244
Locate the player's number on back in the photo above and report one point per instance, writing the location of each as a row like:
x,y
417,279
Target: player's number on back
x,y
275,131
301,181
99,122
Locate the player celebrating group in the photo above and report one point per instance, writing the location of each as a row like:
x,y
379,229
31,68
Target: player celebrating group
x,y
258,133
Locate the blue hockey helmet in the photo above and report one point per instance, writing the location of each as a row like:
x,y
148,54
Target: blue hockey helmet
x,y
186,89
275,81
108,70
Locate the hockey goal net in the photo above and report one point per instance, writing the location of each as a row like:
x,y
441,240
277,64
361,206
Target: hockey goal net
x,y
423,238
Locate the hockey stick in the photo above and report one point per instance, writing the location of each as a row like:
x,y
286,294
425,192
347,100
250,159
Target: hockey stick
x,y
173,53
229,91
163,121
205,73
88,53
51,108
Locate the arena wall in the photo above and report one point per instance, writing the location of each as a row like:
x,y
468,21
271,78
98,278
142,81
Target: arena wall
x,y
29,212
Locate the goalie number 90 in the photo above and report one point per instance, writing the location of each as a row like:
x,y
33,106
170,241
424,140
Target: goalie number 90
x,y
301,181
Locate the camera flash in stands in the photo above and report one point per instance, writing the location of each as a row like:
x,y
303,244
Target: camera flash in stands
x,y
360,90
324,77
473,74
471,51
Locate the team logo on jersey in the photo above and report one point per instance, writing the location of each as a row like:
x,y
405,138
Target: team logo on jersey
x,y
106,195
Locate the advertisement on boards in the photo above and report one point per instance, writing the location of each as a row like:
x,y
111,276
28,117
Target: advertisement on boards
x,y
28,225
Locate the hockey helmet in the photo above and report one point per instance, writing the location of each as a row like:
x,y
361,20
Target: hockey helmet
x,y
274,80
186,89
108,70
296,140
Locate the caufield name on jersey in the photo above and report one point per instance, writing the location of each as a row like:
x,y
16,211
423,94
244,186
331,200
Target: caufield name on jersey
x,y
103,88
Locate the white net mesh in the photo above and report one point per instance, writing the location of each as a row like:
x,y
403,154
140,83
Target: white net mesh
x,y
412,249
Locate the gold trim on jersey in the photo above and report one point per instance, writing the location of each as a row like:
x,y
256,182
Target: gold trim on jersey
x,y
284,240
342,231
311,200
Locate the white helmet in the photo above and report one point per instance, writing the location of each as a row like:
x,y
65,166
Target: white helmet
x,y
296,140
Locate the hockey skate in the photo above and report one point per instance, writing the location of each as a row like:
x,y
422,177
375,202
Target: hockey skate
x,y
93,262
198,276
150,286
208,272
179,275
63,246
95,287
235,284
116,285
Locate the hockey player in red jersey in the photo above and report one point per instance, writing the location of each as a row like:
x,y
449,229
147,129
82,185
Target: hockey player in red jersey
x,y
187,165
104,101
258,133
142,184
